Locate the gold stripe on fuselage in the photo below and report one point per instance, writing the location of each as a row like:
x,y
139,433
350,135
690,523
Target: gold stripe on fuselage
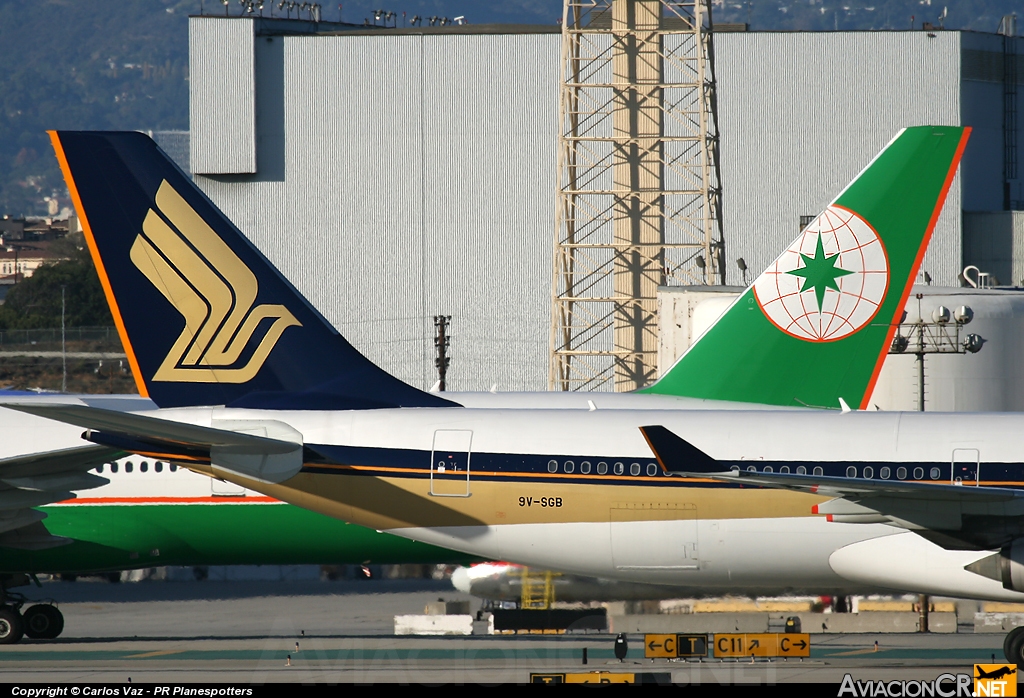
x,y
390,502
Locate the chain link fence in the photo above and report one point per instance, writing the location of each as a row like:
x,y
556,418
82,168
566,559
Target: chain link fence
x,y
51,335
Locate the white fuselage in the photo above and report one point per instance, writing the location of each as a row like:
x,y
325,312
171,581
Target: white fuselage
x,y
523,494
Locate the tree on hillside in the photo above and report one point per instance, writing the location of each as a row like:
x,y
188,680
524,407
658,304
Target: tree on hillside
x,y
35,302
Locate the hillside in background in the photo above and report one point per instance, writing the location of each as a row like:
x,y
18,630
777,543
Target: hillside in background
x,y
83,65
124,64
762,15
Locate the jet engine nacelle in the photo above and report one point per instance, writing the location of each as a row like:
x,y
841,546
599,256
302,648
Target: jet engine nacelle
x,y
1011,565
1006,566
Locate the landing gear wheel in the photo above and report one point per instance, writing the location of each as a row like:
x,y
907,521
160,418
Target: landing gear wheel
x,y
1013,647
11,627
43,622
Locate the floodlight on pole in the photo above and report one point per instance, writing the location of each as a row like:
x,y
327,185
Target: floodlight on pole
x,y
940,336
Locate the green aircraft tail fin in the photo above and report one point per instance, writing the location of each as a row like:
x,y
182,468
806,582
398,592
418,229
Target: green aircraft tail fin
x,y
818,323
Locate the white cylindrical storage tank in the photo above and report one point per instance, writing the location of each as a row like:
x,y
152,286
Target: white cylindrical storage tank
x,y
991,380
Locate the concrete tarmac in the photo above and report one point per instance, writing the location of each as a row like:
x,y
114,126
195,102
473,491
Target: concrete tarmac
x,y
246,632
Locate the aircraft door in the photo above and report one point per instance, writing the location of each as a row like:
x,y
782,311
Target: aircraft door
x,y
966,466
449,463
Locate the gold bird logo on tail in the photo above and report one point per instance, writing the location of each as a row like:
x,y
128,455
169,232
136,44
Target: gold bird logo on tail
x,y
212,288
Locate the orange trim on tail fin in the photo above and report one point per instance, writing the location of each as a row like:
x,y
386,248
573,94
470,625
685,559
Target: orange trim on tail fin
x,y
98,262
940,202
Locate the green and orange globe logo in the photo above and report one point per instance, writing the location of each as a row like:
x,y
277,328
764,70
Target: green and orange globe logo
x,y
830,282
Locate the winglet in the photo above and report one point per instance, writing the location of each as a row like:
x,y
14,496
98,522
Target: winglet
x,y
676,455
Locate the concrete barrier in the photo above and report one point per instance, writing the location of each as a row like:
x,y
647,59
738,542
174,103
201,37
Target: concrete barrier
x,y
874,622
434,625
997,622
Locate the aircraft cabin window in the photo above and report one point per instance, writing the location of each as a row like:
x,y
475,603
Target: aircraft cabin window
x,y
735,468
634,469
919,473
769,469
784,469
818,470
869,472
935,473
174,467
569,466
851,471
585,467
884,472
901,473
144,467
552,466
751,469
128,467
99,468
113,467
602,468
652,469
159,467
619,468
801,470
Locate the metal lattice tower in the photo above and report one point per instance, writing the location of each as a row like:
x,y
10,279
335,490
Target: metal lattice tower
x,y
639,203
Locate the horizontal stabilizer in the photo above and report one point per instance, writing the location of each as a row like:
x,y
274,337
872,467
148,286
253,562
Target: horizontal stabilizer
x,y
32,537
38,465
150,428
247,447
57,482
44,478
21,499
10,520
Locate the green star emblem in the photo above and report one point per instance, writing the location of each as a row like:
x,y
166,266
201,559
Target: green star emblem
x,y
819,272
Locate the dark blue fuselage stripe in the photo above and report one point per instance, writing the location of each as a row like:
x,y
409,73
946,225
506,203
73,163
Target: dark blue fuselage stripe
x,y
390,462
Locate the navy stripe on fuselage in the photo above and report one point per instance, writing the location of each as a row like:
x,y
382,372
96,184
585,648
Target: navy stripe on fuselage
x,y
519,467
413,463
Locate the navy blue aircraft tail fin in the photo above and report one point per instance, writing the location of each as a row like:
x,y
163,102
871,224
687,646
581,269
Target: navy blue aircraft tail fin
x,y
204,317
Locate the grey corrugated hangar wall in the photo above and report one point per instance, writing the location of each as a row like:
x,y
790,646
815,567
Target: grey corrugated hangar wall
x,y
400,175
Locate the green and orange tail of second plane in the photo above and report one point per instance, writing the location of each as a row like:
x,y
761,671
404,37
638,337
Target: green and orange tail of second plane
x,y
817,324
